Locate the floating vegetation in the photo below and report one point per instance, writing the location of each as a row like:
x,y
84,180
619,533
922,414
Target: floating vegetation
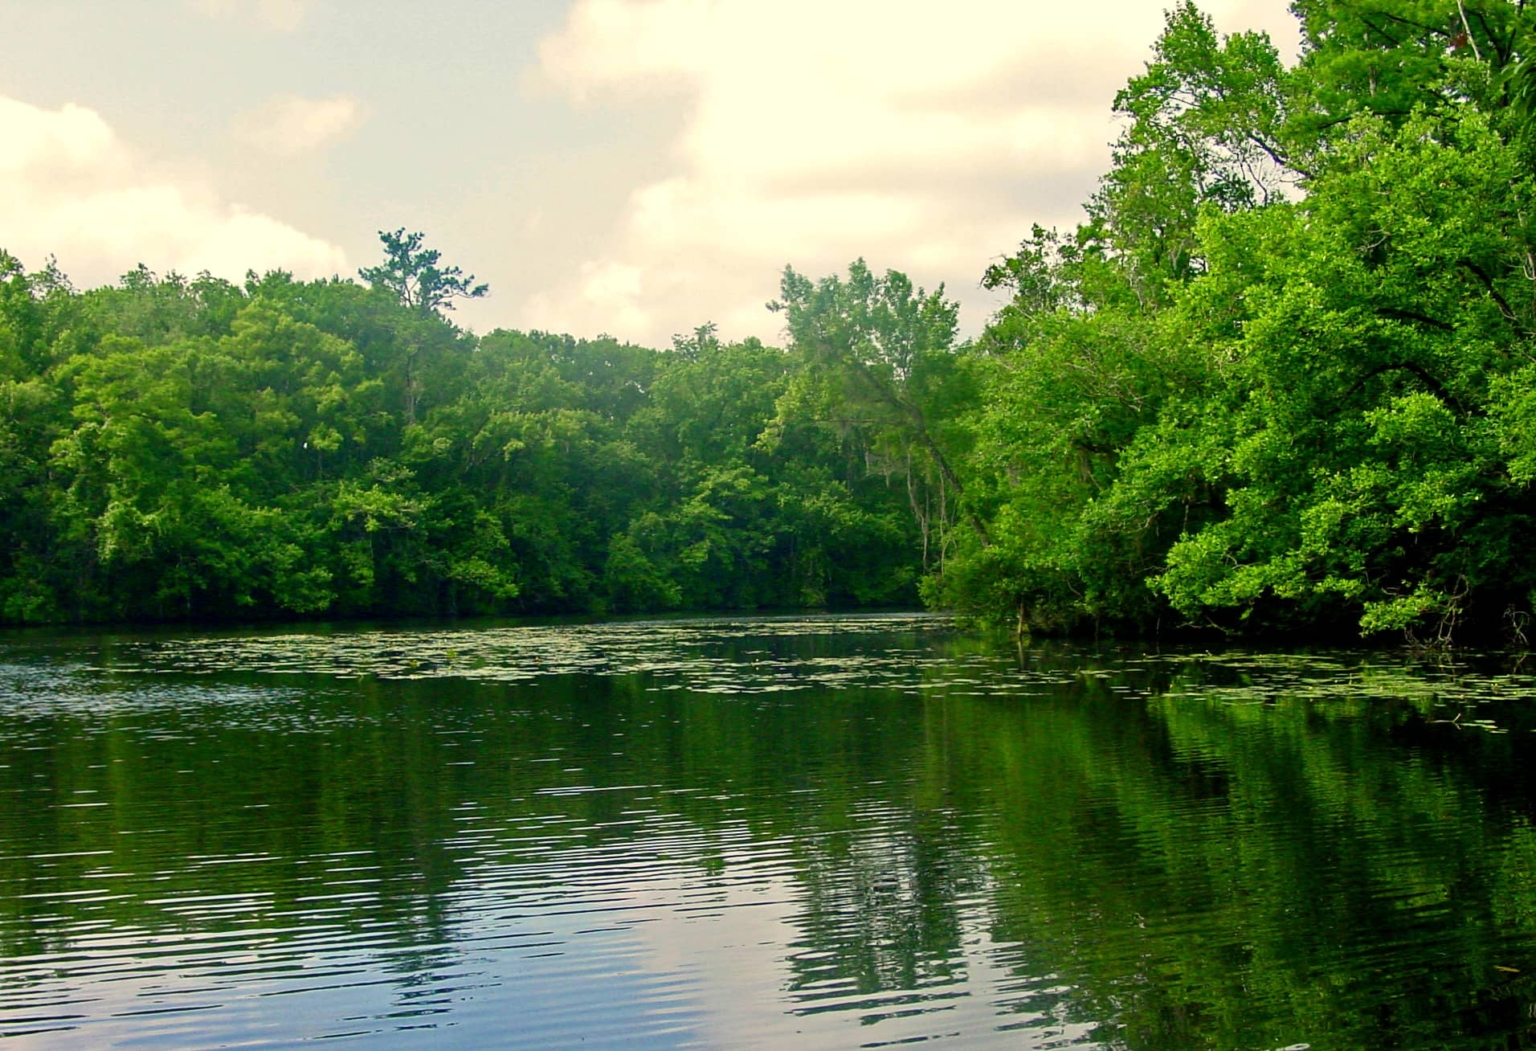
x,y
919,654
706,656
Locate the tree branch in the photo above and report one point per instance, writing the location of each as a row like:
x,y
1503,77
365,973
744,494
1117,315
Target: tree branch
x,y
1466,27
1504,307
1431,30
1397,314
1274,155
1501,48
1434,385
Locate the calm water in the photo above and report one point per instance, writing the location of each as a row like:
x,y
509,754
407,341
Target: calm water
x,y
793,833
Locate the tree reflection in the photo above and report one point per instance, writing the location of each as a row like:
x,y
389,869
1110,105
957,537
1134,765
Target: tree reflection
x,y
1136,849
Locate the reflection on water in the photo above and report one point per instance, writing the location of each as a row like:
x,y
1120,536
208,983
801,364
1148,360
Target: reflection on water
x,y
822,833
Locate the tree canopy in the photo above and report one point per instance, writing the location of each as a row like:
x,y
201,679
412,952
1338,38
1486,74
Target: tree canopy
x,y
1281,378
178,448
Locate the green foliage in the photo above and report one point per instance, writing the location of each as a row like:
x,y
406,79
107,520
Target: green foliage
x,y
879,375
410,273
193,449
1280,380
1283,378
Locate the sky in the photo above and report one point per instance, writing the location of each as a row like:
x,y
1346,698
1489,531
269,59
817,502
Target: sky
x,y
625,167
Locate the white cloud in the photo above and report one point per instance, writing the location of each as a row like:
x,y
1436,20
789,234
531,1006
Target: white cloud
x,y
71,188
819,132
283,16
290,124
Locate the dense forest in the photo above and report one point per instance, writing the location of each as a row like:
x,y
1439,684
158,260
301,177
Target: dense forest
x,y
192,449
1282,378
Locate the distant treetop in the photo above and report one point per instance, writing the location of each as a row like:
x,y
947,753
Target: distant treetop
x,y
412,274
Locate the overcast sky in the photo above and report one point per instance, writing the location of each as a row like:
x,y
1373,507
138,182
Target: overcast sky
x,y
635,167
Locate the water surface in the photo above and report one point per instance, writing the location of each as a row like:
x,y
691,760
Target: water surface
x,y
761,833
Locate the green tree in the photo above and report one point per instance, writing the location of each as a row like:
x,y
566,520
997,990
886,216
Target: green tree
x,y
1228,403
410,272
878,367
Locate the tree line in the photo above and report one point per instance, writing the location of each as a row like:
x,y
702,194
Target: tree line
x,y
177,448
1280,379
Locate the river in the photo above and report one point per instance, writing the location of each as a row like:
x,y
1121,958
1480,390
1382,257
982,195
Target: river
x,y
803,832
